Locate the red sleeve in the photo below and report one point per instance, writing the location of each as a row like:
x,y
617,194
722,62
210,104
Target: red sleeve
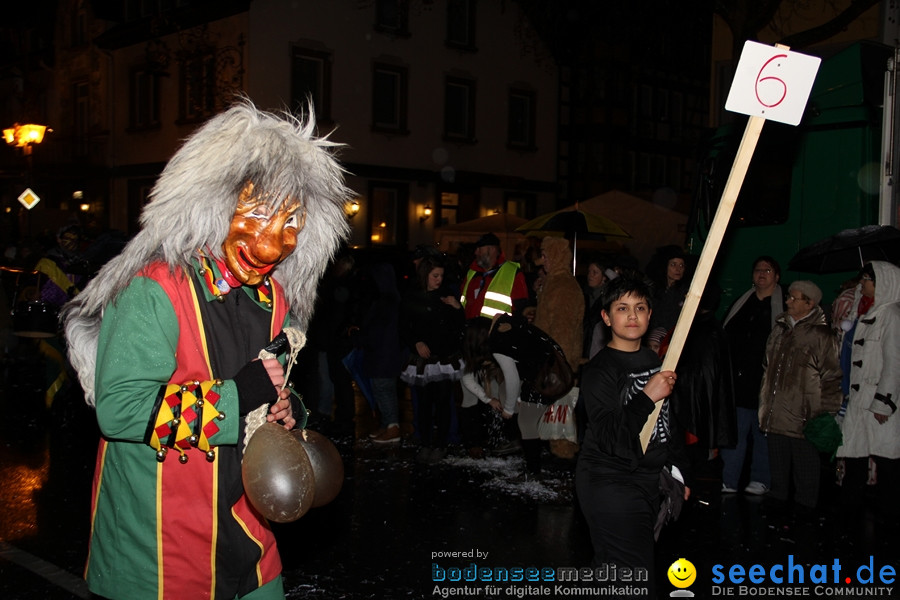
x,y
520,288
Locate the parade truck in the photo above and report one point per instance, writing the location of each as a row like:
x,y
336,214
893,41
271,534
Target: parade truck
x,y
834,171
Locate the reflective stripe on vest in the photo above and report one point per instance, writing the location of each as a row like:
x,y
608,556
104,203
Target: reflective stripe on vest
x,y
497,297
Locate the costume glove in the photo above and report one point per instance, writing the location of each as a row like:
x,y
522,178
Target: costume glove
x,y
254,387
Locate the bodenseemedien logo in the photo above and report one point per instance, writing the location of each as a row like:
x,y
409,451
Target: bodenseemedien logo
x,y
604,580
682,574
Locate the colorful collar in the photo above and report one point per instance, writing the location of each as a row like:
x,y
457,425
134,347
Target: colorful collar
x,y
220,281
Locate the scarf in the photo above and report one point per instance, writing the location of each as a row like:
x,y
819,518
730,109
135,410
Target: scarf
x,y
776,299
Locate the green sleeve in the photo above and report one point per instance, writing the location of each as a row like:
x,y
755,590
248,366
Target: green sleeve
x,y
136,357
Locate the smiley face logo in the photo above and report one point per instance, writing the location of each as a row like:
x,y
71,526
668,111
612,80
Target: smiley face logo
x,y
682,573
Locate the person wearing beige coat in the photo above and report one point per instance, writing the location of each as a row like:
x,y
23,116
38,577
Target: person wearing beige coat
x,y
559,314
560,303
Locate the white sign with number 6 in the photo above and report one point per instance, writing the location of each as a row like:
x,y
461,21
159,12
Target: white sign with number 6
x,y
772,83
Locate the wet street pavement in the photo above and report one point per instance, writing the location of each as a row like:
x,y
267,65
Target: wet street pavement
x,y
394,520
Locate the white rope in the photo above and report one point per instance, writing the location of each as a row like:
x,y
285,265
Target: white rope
x,y
257,417
296,340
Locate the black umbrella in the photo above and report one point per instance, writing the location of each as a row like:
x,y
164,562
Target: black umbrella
x,y
577,222
849,250
574,224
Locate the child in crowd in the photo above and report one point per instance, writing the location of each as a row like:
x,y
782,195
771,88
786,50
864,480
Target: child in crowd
x,y
618,484
484,396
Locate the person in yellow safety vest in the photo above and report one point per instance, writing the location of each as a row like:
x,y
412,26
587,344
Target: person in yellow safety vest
x,y
493,284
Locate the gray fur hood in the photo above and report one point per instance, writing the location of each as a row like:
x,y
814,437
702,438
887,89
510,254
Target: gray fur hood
x,y
193,202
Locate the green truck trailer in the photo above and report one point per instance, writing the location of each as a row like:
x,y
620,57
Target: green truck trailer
x,y
835,170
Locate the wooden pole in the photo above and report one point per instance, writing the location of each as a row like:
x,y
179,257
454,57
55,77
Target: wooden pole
x,y
707,258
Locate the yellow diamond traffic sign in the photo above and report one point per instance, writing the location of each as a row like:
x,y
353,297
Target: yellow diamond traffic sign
x,y
29,199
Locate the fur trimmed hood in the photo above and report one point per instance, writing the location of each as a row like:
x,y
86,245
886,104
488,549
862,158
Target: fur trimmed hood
x,y
193,202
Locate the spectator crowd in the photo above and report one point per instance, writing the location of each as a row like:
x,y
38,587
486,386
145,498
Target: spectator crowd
x,y
486,350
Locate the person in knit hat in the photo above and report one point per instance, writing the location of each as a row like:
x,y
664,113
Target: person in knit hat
x,y
493,284
794,392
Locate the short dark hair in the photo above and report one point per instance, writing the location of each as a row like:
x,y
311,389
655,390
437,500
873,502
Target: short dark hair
x,y
775,266
623,286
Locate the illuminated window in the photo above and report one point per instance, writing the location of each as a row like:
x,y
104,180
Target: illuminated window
x,y
384,213
448,208
521,205
198,86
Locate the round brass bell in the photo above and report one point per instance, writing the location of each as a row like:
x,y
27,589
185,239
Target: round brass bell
x,y
277,474
328,468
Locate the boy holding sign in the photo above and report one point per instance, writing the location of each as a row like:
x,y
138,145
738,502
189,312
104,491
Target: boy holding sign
x,y
617,482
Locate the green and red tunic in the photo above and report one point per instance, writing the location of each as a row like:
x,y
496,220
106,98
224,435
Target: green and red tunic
x,y
177,528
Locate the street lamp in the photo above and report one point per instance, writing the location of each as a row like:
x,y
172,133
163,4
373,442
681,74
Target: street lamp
x,y
23,136
351,209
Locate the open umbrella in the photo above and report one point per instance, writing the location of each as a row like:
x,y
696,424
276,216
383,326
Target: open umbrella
x,y
574,224
849,250
503,225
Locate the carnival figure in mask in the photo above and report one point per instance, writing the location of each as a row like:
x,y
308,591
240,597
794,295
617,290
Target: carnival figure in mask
x,y
238,230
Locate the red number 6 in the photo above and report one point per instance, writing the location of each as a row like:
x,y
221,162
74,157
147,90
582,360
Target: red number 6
x,y
760,79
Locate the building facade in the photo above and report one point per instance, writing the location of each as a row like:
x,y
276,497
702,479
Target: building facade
x,y
445,115
441,109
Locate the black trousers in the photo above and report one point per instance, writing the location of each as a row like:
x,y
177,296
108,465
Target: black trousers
x,y
473,424
433,414
620,510
344,409
887,488
797,460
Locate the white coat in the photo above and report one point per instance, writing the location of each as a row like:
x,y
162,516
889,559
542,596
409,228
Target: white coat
x,y
875,373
